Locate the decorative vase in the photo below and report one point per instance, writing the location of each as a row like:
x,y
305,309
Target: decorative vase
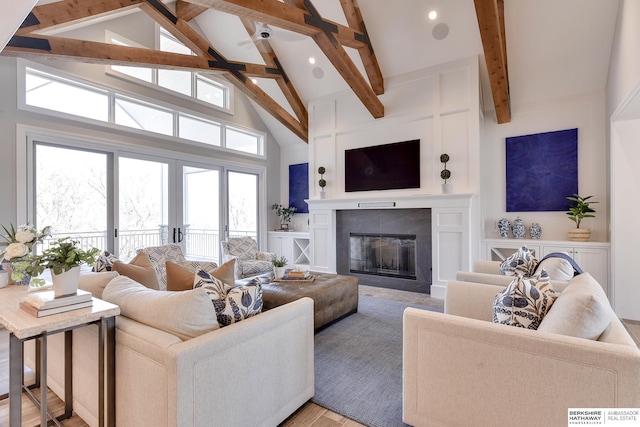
x,y
447,188
278,272
323,194
579,234
66,283
8,267
535,230
504,225
518,229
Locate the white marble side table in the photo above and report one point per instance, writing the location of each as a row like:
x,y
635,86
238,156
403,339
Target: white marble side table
x,y
23,326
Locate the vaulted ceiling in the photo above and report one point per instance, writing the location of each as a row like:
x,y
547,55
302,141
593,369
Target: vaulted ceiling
x,y
529,49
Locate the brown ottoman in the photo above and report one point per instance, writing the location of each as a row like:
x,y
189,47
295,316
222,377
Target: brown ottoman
x,y
334,296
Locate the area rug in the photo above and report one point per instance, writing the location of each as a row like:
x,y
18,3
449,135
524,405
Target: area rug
x,y
358,363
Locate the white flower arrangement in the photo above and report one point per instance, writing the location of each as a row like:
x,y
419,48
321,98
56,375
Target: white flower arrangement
x,y
19,242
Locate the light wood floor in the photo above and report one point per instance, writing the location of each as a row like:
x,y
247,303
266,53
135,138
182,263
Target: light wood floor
x,y
309,415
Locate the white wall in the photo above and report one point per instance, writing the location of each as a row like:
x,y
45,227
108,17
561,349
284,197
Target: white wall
x,y
438,105
623,107
587,113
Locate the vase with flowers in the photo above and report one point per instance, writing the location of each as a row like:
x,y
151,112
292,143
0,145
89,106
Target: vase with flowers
x,y
285,213
18,243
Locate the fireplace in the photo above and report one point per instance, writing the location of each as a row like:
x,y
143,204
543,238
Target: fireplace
x,y
388,248
390,255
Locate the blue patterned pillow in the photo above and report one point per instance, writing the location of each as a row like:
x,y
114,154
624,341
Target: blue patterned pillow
x,y
525,302
522,262
232,303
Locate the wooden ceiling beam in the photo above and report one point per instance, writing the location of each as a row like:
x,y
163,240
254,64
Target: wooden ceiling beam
x,y
490,15
328,35
285,85
60,14
367,55
187,11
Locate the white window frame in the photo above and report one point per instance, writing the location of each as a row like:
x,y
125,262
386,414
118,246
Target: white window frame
x,y
54,73
229,92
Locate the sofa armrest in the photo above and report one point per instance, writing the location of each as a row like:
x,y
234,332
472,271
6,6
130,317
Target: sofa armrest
x,y
537,374
485,266
500,280
255,372
469,299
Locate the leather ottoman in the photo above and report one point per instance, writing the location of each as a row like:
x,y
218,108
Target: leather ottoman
x,y
334,296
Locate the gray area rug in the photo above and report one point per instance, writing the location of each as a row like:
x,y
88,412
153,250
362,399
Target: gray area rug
x,y
358,363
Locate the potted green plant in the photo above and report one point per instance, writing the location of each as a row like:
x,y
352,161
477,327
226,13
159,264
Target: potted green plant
x,y
285,214
279,265
579,209
445,174
63,258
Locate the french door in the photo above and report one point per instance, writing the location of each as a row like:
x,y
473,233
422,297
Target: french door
x,y
122,201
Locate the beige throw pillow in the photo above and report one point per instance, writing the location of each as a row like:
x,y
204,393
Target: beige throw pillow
x,y
582,310
185,314
139,269
180,278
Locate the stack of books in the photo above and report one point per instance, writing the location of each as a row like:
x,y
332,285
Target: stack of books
x,y
44,303
296,275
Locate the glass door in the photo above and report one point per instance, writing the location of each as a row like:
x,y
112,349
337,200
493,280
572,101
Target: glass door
x,y
242,192
199,232
74,200
143,205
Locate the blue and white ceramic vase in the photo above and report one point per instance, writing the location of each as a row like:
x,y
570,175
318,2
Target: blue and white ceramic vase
x,y
503,227
518,229
535,230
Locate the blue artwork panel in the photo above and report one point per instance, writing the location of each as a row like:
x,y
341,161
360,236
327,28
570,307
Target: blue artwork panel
x,y
542,170
299,186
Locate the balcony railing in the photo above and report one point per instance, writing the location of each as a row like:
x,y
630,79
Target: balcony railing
x,y
200,244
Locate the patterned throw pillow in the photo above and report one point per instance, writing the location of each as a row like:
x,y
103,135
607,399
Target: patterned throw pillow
x,y
104,262
522,262
525,302
232,304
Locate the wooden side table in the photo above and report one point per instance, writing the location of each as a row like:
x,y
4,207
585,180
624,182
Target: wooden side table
x,y
23,326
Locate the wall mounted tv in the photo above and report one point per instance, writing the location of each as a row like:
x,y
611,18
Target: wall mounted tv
x,y
383,167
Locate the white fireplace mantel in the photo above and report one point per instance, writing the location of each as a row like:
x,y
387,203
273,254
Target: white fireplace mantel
x,y
451,216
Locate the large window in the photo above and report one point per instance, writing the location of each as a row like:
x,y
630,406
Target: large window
x,y
76,98
196,85
122,201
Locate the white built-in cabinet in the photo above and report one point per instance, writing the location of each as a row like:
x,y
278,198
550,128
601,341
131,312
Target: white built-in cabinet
x,y
294,245
592,257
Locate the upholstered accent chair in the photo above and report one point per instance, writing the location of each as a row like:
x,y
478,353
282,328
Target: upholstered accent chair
x,y
249,260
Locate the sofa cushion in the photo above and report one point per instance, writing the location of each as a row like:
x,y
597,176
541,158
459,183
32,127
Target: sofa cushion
x,y
232,304
557,268
582,310
521,262
524,302
95,282
186,314
140,270
180,278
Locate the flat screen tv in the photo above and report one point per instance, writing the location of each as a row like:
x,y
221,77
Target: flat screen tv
x,y
383,167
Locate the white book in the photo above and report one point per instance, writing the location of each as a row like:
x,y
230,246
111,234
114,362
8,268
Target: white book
x,y
46,299
49,311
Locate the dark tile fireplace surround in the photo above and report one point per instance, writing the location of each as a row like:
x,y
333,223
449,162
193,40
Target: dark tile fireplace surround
x,y
412,222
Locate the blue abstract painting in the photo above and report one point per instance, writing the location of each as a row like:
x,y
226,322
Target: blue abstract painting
x,y
542,170
299,186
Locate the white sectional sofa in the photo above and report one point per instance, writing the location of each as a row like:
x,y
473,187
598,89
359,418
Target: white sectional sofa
x,y
255,372
488,272
461,369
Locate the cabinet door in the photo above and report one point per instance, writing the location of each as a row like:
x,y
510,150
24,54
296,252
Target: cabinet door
x,y
595,261
275,244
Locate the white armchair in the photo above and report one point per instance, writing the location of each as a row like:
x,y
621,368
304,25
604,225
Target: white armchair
x,y
249,260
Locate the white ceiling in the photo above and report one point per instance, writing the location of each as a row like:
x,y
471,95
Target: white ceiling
x,y
555,48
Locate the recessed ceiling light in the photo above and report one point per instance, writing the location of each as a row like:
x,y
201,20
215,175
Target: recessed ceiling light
x,y
312,60
433,14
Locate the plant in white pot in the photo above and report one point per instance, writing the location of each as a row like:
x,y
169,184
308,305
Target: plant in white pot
x,y
578,210
279,265
63,258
